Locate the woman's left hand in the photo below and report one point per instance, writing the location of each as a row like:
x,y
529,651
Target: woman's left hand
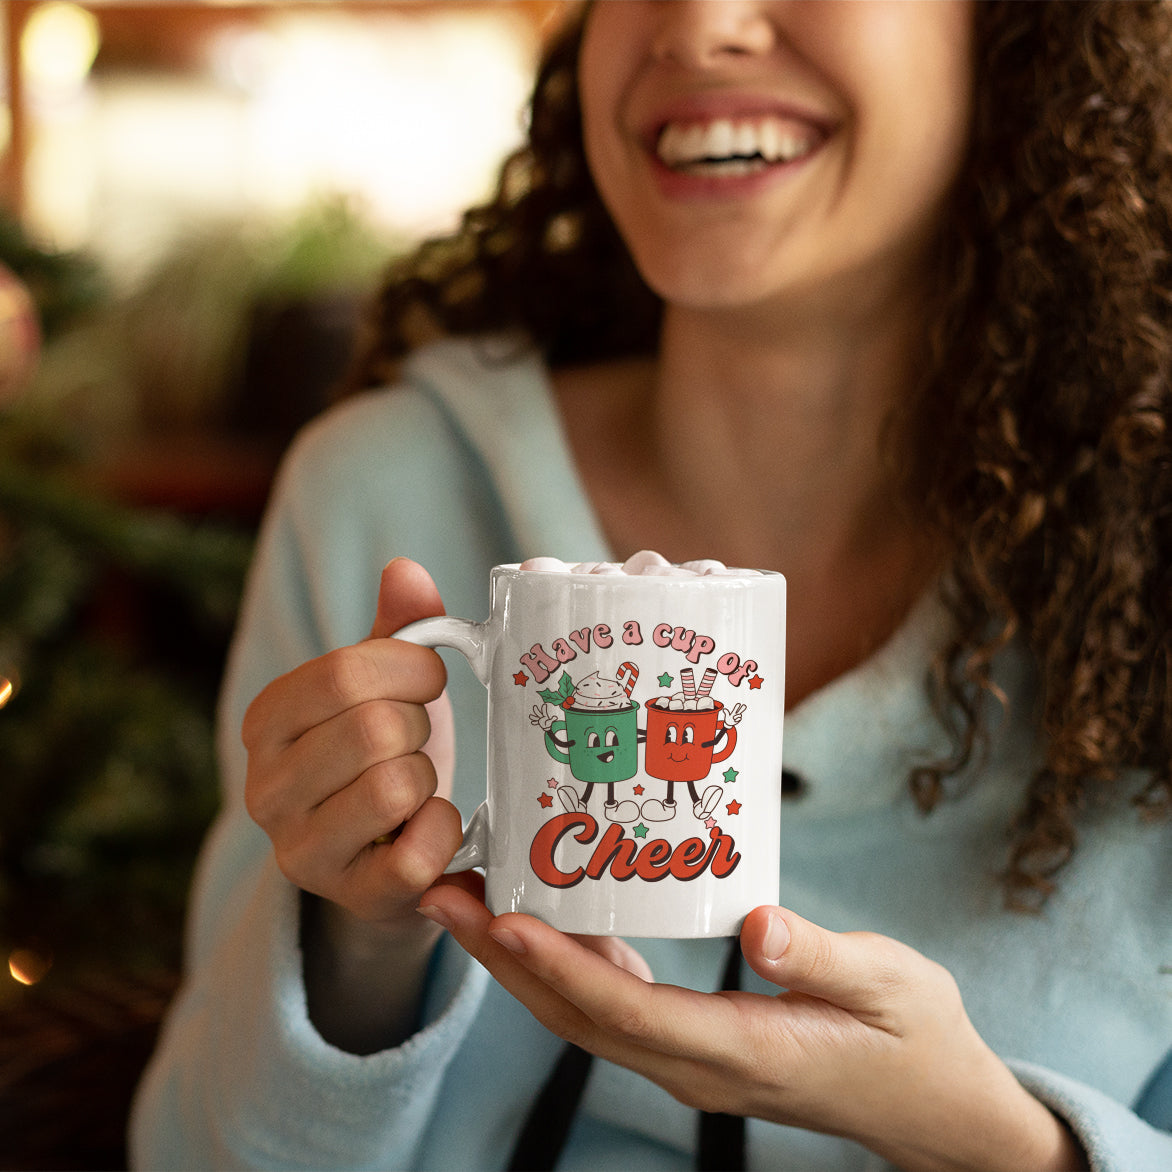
x,y
869,1039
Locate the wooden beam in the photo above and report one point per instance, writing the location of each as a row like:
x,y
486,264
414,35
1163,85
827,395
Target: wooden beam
x,y
15,157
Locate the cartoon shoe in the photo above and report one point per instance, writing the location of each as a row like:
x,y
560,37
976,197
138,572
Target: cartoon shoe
x,y
656,811
704,807
621,811
568,796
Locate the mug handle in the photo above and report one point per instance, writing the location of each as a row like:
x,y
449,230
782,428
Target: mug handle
x,y
472,641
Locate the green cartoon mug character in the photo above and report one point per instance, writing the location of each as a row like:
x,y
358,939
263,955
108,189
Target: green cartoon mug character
x,y
599,738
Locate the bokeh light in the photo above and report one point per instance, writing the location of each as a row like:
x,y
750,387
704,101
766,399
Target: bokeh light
x,y
58,47
405,113
29,965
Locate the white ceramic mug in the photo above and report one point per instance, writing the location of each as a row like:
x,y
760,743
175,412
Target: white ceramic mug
x,y
612,808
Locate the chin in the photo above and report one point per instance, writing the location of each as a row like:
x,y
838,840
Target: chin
x,y
714,287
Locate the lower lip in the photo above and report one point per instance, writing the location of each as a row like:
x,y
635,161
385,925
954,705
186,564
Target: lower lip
x,y
677,185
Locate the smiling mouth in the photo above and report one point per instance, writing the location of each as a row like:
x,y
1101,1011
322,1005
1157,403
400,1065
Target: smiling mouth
x,y
606,758
734,147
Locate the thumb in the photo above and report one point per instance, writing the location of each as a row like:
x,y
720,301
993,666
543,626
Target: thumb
x,y
406,592
857,971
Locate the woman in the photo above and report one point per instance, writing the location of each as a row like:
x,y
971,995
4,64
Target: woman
x,y
879,299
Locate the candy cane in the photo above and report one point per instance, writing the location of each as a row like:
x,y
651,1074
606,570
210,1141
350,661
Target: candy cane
x,y
689,682
627,674
708,680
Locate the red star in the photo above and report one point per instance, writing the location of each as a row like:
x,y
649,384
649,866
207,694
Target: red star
x,y
638,791
552,783
521,679
546,801
734,807
755,682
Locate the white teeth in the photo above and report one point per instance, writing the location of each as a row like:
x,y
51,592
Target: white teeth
x,y
745,140
724,143
690,144
719,140
770,139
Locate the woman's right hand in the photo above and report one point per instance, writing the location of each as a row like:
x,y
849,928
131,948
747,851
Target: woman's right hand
x,y
350,757
346,765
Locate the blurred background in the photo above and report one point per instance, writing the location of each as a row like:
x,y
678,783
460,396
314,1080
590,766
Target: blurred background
x,y
196,200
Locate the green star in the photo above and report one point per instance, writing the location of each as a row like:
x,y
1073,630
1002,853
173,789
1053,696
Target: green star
x,y
665,680
730,775
640,831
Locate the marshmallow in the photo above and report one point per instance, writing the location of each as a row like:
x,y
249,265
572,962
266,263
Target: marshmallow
x,y
547,565
645,563
681,703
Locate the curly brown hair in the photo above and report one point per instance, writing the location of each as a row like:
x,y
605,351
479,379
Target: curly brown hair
x,y
1047,393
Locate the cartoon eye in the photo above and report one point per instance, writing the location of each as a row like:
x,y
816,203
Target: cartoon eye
x,y
673,734
592,741
689,734
612,737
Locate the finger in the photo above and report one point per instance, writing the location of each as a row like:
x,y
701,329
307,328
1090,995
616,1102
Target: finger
x,y
406,593
616,950
384,881
329,756
862,972
441,743
686,1042
330,838
578,992
339,680
667,1019
468,920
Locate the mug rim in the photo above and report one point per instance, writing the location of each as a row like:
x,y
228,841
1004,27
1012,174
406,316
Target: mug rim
x,y
630,706
746,576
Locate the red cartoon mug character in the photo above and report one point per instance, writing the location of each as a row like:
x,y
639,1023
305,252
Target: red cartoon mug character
x,y
684,740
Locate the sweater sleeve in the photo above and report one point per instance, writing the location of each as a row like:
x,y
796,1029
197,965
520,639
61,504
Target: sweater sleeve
x,y
240,1077
1115,1138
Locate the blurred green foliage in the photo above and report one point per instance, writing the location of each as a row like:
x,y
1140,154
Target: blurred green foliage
x,y
107,777
114,620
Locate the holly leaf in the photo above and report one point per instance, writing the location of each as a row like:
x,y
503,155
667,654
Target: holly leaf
x,y
564,692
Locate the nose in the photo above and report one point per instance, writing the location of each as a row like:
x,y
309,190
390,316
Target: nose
x,y
703,33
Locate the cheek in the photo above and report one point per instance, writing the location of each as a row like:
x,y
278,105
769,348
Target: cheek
x,y
601,66
613,49
917,126
940,90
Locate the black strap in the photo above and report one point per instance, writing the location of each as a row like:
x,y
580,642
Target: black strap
x,y
547,1126
721,1143
721,1146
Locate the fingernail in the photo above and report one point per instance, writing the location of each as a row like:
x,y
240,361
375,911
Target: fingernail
x,y
776,938
507,939
433,913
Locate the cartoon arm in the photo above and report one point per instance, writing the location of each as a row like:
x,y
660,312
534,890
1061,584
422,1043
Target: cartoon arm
x,y
558,750
543,715
727,731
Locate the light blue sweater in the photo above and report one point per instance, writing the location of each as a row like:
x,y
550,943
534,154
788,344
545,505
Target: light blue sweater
x,y
465,466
